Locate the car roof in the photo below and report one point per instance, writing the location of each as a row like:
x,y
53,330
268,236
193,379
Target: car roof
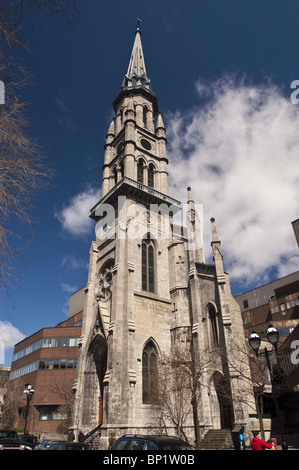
x,y
156,437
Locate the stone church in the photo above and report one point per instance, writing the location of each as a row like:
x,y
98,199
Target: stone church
x,y
150,294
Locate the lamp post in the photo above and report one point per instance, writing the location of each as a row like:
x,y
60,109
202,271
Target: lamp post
x,y
28,392
255,342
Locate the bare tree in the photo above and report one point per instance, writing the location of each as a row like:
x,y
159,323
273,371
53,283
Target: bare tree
x,y
178,386
63,390
23,165
10,405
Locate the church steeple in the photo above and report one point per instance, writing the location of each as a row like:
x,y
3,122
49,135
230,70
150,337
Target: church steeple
x,y
136,80
135,161
136,74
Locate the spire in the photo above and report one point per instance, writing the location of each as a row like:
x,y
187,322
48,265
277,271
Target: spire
x,y
136,74
215,238
194,232
217,255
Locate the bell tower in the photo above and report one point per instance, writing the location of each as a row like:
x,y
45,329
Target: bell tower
x,y
135,143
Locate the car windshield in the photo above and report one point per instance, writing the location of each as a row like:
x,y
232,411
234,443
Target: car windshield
x,y
166,445
8,434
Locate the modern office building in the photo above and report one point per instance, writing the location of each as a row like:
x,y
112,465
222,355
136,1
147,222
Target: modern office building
x,y
275,303
47,361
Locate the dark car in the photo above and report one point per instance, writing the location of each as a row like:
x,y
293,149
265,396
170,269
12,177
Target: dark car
x,y
140,442
9,439
29,440
64,445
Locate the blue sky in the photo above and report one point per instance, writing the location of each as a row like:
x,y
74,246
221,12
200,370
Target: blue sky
x,y
222,72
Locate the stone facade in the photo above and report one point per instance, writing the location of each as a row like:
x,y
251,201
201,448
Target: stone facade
x,y
150,291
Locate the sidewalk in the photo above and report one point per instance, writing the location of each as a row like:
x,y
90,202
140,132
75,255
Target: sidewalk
x,y
291,439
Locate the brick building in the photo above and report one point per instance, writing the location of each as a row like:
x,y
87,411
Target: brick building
x,y
276,302
46,360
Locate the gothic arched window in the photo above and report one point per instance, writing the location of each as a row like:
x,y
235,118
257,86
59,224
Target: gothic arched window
x,y
151,175
213,324
122,169
149,374
115,175
140,170
148,265
145,109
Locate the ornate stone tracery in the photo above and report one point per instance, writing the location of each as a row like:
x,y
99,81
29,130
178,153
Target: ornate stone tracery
x,y
104,291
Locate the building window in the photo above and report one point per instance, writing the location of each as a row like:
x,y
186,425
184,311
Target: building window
x,y
245,303
114,175
274,309
145,109
149,374
122,169
151,175
214,325
140,170
49,413
148,265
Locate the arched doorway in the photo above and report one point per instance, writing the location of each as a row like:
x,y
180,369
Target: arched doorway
x,y
96,365
220,402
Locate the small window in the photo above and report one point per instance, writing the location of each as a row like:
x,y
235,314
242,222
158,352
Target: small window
x,y
149,374
245,303
214,325
62,363
151,175
140,169
148,265
144,116
274,309
70,363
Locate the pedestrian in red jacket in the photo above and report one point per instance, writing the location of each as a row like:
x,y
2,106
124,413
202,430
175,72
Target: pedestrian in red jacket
x,y
258,444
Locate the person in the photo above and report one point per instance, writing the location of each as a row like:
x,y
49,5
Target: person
x,y
258,444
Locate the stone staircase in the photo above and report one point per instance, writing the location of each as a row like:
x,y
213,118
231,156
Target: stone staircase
x,y
217,439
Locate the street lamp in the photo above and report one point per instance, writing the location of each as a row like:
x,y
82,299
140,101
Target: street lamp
x,y
255,341
28,392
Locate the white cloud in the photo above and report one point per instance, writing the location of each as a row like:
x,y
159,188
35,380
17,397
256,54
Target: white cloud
x,y
239,153
71,262
9,336
74,217
68,288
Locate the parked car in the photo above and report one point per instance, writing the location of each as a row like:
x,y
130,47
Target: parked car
x,y
45,444
64,445
29,440
9,440
141,442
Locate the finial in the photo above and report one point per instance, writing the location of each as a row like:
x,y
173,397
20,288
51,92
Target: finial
x,y
138,22
215,237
